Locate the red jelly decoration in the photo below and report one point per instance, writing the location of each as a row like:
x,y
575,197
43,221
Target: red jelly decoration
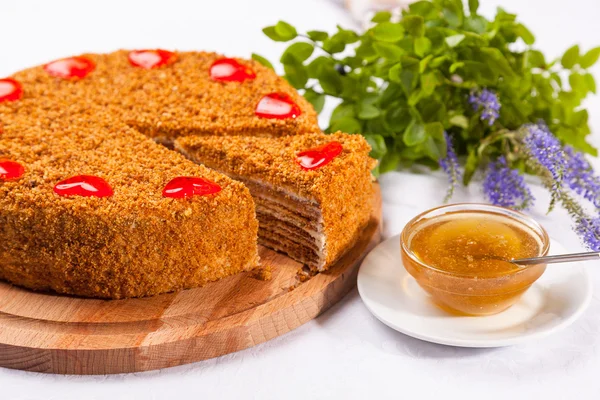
x,y
229,70
277,105
187,186
83,185
70,68
10,170
319,156
10,90
149,59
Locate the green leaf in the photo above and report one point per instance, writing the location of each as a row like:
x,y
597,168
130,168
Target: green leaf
x,y
394,73
398,118
534,59
571,57
343,110
262,60
589,58
367,111
346,125
525,34
435,130
316,99
377,143
388,32
297,52
317,36
389,162
414,25
315,67
330,80
366,51
470,166
285,31
454,14
414,134
455,66
429,82
296,74
382,16
459,120
496,61
590,82
334,45
454,40
477,24
346,36
424,8
270,32
473,6
388,50
436,62
422,46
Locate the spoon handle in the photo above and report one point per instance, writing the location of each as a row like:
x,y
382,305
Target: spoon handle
x,y
595,255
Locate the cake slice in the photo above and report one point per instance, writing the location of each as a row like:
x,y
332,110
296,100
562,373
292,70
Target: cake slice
x,y
313,193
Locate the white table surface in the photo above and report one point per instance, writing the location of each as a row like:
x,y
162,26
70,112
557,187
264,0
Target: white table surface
x,y
346,353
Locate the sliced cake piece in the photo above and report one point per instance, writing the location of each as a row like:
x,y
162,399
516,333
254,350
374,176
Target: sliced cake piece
x,y
313,192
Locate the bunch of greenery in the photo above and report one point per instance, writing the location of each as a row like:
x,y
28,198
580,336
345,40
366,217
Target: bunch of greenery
x,y
443,82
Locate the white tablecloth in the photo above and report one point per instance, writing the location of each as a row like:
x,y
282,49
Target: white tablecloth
x,y
345,353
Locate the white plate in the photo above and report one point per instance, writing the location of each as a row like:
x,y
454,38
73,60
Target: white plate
x,y
552,303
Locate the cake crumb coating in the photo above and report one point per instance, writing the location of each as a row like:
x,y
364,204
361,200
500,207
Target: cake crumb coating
x,y
135,243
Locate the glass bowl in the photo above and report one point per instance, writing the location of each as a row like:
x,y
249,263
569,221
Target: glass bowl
x,y
472,294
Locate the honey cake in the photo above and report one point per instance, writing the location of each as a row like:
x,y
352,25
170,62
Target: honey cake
x,y
92,206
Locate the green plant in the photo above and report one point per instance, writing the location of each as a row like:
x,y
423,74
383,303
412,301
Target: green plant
x,y
444,86
402,84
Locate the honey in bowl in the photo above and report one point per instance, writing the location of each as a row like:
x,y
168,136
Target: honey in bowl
x,y
460,255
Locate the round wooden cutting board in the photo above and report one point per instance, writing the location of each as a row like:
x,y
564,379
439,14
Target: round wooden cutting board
x,y
51,333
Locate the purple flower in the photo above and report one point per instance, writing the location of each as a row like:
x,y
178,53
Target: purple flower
x,y
546,149
504,186
589,230
450,165
580,176
486,101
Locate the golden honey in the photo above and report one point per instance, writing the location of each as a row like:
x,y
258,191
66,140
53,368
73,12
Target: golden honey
x,y
461,258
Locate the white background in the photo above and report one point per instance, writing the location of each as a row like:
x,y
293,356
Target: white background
x,y
345,353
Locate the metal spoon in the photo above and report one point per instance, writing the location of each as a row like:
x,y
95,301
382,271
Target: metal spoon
x,y
563,258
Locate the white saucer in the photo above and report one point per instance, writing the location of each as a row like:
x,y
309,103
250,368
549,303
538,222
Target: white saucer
x,y
557,299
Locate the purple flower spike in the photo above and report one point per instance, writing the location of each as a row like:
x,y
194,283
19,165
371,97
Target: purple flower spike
x,y
451,166
589,230
486,101
504,186
547,150
580,176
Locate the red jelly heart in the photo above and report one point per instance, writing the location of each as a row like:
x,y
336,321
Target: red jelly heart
x,y
83,185
70,68
149,59
277,105
10,170
10,90
319,156
229,70
187,186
